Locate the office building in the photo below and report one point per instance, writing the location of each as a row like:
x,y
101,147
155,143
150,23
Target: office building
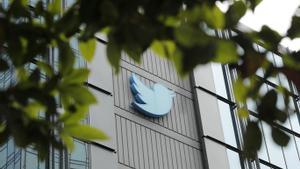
x,y
201,131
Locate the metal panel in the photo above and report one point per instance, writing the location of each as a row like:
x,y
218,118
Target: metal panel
x,y
158,128
154,145
135,145
169,142
152,150
119,140
159,66
181,119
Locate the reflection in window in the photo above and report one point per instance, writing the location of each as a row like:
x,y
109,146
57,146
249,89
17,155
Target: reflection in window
x,y
263,152
275,151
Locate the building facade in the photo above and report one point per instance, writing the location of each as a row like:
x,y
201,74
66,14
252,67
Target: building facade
x,y
202,130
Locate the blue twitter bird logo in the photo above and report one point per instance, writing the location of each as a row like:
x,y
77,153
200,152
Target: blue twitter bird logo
x,y
155,102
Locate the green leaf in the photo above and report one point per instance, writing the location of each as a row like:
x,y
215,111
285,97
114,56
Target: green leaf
x,y
240,90
87,48
266,108
280,137
33,109
235,13
254,3
3,65
2,127
133,50
213,16
226,53
253,140
77,76
68,141
55,6
66,58
189,35
281,116
84,132
22,74
24,2
291,61
164,48
252,61
293,31
270,38
292,74
105,30
75,117
177,60
4,135
45,68
243,113
79,93
114,54
170,21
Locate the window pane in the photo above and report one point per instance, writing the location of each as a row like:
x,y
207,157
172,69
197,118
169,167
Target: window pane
x,y
3,155
291,154
262,166
227,124
275,151
234,159
251,105
31,160
263,153
219,80
79,157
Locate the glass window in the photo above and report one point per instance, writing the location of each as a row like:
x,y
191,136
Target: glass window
x,y
263,152
32,2
234,159
251,105
275,151
69,3
79,157
10,147
284,81
295,123
227,124
3,155
219,80
263,166
31,160
4,3
278,60
260,72
291,154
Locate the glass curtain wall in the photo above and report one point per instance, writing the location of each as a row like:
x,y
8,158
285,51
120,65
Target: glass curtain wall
x,y
270,155
12,157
